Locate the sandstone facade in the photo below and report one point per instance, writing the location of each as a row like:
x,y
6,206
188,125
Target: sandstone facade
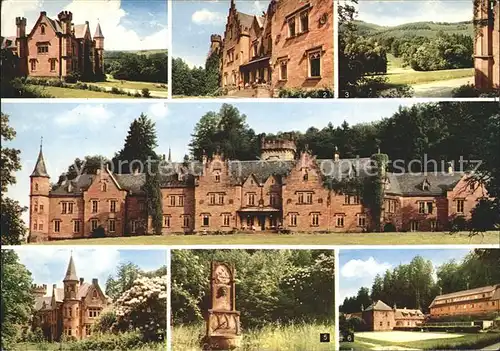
x,y
56,48
380,317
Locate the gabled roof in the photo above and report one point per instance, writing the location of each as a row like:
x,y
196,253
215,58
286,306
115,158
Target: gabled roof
x,y
404,313
410,184
245,19
83,290
80,30
463,293
9,43
378,306
40,301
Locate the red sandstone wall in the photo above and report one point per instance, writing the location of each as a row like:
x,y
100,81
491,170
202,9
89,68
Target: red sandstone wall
x,y
463,191
178,211
465,308
43,63
383,320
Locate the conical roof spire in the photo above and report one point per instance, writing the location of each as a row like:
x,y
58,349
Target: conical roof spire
x,y
40,169
71,271
98,32
169,154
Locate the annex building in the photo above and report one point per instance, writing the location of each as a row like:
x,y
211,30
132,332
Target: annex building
x,y
56,48
380,317
71,310
283,190
289,46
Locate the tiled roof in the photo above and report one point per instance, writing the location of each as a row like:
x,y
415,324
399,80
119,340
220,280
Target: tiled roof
x,y
98,32
71,271
404,313
80,30
8,42
83,289
245,20
56,25
481,290
39,301
40,170
411,184
378,306
59,294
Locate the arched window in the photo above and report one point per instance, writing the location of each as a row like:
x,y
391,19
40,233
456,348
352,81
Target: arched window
x,y
36,186
104,187
42,29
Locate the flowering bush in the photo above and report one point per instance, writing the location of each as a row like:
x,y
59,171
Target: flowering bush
x,y
144,307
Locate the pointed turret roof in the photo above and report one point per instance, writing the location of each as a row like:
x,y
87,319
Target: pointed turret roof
x,y
71,271
40,169
98,32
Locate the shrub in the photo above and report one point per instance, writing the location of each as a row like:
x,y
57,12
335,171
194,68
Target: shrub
x,y
145,93
99,232
467,90
115,90
73,77
137,94
122,341
303,93
105,322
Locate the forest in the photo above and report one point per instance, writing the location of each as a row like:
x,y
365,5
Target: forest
x,y
275,289
196,81
413,285
135,320
143,67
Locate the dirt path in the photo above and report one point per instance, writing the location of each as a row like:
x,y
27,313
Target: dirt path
x,y
380,347
441,88
493,347
154,93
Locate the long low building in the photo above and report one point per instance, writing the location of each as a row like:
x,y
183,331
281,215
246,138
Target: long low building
x,y
467,302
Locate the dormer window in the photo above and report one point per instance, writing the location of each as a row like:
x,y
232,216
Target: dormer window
x,y
305,177
426,185
217,178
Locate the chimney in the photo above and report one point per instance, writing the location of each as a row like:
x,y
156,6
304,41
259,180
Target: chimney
x,y
336,155
94,281
54,286
43,13
81,281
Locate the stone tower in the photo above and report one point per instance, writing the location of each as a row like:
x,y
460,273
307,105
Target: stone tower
x,y
278,149
39,290
487,44
66,17
215,44
99,47
39,200
22,46
70,310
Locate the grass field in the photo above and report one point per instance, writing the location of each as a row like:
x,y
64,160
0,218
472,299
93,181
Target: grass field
x,y
125,84
54,346
462,342
78,93
299,337
412,238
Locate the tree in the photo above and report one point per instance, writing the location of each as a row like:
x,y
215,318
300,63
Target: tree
x,y
17,298
89,165
126,274
12,226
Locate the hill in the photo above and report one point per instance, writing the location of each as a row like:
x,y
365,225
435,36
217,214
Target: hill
x,y
114,53
420,29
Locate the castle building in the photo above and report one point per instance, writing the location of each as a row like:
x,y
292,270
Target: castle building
x,y
284,189
56,48
380,317
477,301
289,46
487,44
71,310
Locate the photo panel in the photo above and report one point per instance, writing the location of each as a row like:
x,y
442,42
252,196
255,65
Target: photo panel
x,y
243,49
445,299
84,49
84,298
253,299
419,49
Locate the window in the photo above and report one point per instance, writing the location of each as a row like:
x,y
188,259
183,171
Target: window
x,y
112,225
40,225
206,220
361,220
472,186
52,65
283,70
314,219
172,200
293,220
35,206
414,226
254,49
133,226
251,199
95,206
104,187
76,227
212,199
185,221
309,197
70,207
269,44
305,177
94,223
291,27
70,312
94,312
351,200
217,178
305,198
315,64
304,21
112,206
225,220
460,206
33,68
425,207
166,221
380,323
273,199
388,324
42,30
64,207
43,49
35,225
141,206
57,226
340,221
181,201
88,329
68,332
221,199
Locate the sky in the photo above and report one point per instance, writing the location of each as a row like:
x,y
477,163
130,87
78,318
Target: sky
x,y
194,21
48,264
393,13
125,24
358,268
72,130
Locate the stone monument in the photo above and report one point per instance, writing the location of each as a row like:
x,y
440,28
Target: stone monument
x,y
223,321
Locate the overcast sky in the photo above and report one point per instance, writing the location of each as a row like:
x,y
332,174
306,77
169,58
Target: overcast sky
x,y
358,268
125,24
48,264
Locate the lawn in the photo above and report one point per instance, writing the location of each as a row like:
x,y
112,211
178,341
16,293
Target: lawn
x,y
125,84
54,346
77,93
412,238
298,337
462,342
